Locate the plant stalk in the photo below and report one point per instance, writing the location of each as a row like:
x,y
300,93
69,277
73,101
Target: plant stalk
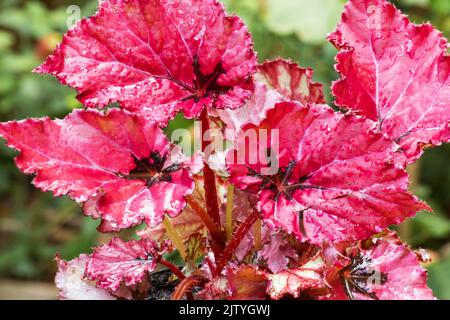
x,y
234,243
257,234
185,285
217,243
229,213
212,203
173,268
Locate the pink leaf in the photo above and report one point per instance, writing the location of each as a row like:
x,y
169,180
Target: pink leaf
x,y
122,165
294,281
388,271
395,73
157,57
291,81
123,262
337,178
277,252
253,112
275,81
69,280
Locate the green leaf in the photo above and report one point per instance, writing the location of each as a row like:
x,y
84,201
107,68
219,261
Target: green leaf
x,y
174,257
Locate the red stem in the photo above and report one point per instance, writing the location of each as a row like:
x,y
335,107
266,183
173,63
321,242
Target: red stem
x,y
217,237
185,285
173,268
212,204
237,238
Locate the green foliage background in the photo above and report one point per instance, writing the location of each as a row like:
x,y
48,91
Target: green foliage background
x,y
34,225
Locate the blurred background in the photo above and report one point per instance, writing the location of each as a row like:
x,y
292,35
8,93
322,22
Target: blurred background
x,y
34,225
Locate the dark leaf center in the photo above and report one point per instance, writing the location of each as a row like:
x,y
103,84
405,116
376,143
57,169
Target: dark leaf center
x,y
152,170
359,276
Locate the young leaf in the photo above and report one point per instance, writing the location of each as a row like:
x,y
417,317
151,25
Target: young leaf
x,y
121,165
337,178
277,252
69,280
394,72
123,262
186,224
295,281
157,58
275,81
291,81
253,112
247,283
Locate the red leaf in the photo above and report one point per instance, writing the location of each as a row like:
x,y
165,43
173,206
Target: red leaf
x,y
388,271
253,112
294,281
69,280
276,81
123,262
395,73
291,81
74,156
247,283
337,179
157,57
277,252
216,289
